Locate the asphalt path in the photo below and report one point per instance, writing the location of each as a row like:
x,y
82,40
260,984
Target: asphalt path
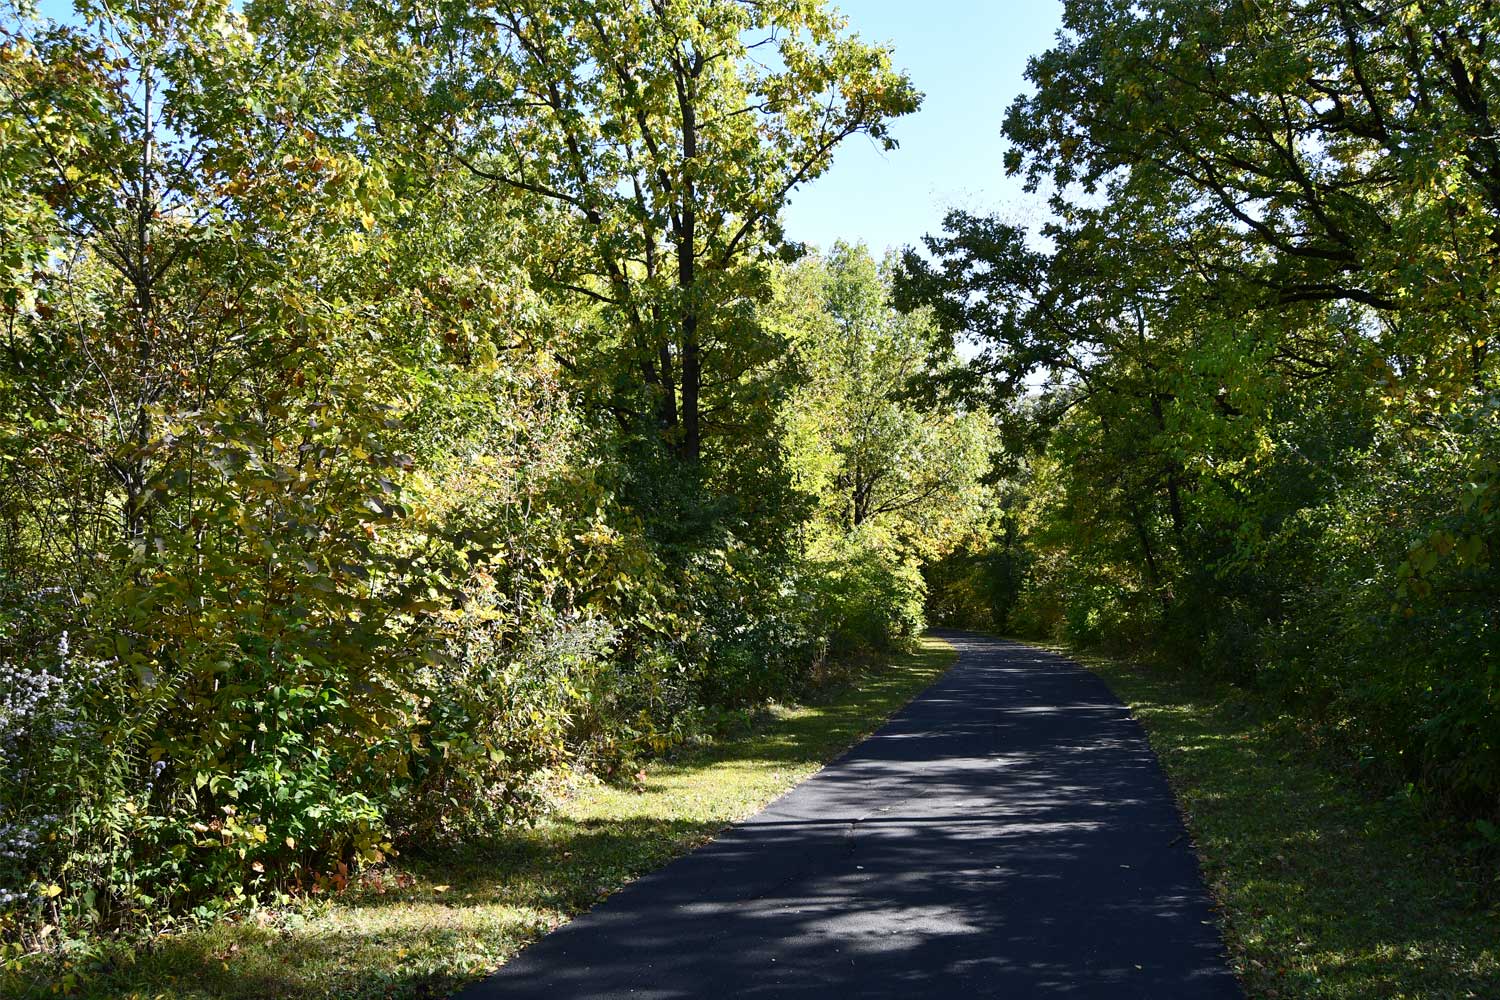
x,y
1007,834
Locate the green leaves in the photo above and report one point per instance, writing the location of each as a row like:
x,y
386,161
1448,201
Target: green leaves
x,y
874,458
651,152
1243,371
391,416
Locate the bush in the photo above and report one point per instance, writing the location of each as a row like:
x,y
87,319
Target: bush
x,y
864,597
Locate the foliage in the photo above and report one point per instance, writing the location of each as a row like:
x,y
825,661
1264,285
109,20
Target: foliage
x,y
424,925
978,584
861,443
661,146
897,485
392,423
1244,372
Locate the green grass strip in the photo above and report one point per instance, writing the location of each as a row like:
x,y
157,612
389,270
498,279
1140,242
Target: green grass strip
x,y
1326,890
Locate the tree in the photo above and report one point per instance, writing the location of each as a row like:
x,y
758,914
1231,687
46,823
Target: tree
x,y
1311,151
661,138
871,453
306,542
1245,370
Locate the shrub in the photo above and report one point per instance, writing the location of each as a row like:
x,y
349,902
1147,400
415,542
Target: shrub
x,y
864,596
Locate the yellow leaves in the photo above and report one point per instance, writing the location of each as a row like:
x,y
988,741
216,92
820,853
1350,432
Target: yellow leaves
x,y
599,534
52,891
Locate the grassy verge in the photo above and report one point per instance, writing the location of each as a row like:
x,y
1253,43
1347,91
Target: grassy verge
x,y
1326,890
429,924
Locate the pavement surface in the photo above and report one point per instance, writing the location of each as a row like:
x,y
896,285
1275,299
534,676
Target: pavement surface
x,y
1007,834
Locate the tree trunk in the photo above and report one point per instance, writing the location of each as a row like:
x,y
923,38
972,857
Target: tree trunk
x,y
687,248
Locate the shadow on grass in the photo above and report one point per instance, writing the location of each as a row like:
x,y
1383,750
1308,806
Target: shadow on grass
x,y
1327,891
447,916
465,911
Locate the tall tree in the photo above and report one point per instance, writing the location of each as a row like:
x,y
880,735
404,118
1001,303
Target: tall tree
x,y
1312,150
662,139
875,457
1252,352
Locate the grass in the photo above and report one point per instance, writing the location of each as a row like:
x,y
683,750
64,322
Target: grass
x,y
1327,890
429,924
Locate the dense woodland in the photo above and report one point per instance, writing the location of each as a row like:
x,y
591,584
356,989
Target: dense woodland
x,y
402,405
1246,373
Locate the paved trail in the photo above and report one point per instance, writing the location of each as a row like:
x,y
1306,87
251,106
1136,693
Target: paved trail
x,y
1007,834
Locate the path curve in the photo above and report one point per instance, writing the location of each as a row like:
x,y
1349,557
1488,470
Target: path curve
x,y
1007,834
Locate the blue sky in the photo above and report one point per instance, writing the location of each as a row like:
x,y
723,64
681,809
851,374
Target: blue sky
x,y
968,57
